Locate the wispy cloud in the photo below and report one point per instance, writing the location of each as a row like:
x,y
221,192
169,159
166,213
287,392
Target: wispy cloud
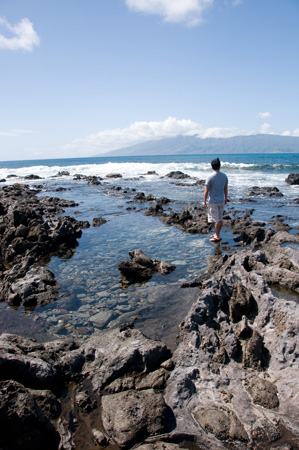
x,y
187,12
264,115
15,132
139,132
18,37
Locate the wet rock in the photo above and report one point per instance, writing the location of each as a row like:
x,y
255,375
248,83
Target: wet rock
x,y
98,221
93,180
177,175
114,175
293,179
32,177
99,437
26,238
36,288
142,268
62,173
190,220
140,197
270,191
101,318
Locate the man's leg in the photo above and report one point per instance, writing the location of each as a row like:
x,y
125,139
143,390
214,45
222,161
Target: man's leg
x,y
218,226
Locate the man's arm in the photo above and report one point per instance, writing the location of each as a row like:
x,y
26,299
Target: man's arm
x,y
225,194
205,196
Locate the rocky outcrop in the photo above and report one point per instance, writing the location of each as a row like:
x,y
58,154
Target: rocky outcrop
x,y
141,268
230,383
118,379
30,231
264,190
237,361
178,175
293,178
98,221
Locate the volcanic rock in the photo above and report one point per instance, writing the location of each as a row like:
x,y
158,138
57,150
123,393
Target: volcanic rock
x,y
142,268
293,179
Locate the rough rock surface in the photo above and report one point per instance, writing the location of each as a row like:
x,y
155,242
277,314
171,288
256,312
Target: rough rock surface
x,y
232,382
30,231
237,364
142,268
118,379
293,178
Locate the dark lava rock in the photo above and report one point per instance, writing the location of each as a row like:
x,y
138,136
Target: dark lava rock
x,y
23,423
293,179
26,238
32,177
98,221
271,191
177,175
63,173
114,175
142,268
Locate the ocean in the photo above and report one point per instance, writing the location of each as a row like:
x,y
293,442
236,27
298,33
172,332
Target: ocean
x,y
91,295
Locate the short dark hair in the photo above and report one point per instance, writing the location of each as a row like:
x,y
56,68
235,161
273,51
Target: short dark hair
x,y
215,164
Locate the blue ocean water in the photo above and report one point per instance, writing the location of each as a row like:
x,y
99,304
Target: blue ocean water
x,y
266,161
91,296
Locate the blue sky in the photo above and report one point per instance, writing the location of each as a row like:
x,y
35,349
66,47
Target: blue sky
x,y
80,78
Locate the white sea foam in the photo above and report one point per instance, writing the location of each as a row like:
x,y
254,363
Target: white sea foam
x,y
240,174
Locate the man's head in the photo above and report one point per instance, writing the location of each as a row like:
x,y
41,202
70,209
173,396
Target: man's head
x,y
215,164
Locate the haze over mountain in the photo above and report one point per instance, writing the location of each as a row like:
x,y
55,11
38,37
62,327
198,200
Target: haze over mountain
x,y
192,145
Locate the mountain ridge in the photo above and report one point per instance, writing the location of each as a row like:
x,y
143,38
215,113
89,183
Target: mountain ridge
x,y
184,145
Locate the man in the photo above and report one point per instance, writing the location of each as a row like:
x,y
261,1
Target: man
x,y
216,190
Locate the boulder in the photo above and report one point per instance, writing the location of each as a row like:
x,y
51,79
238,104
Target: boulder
x,y
131,416
24,425
98,221
114,175
293,179
270,191
177,175
141,268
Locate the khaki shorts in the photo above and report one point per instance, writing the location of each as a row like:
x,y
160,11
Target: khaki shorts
x,y
215,212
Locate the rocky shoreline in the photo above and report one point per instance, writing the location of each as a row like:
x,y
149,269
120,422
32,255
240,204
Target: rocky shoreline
x,y
231,383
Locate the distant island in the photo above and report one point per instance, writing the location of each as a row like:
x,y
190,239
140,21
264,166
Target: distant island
x,y
192,145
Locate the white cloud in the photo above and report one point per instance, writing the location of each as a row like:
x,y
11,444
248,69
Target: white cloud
x,y
291,133
188,12
139,132
266,129
15,132
264,115
18,37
